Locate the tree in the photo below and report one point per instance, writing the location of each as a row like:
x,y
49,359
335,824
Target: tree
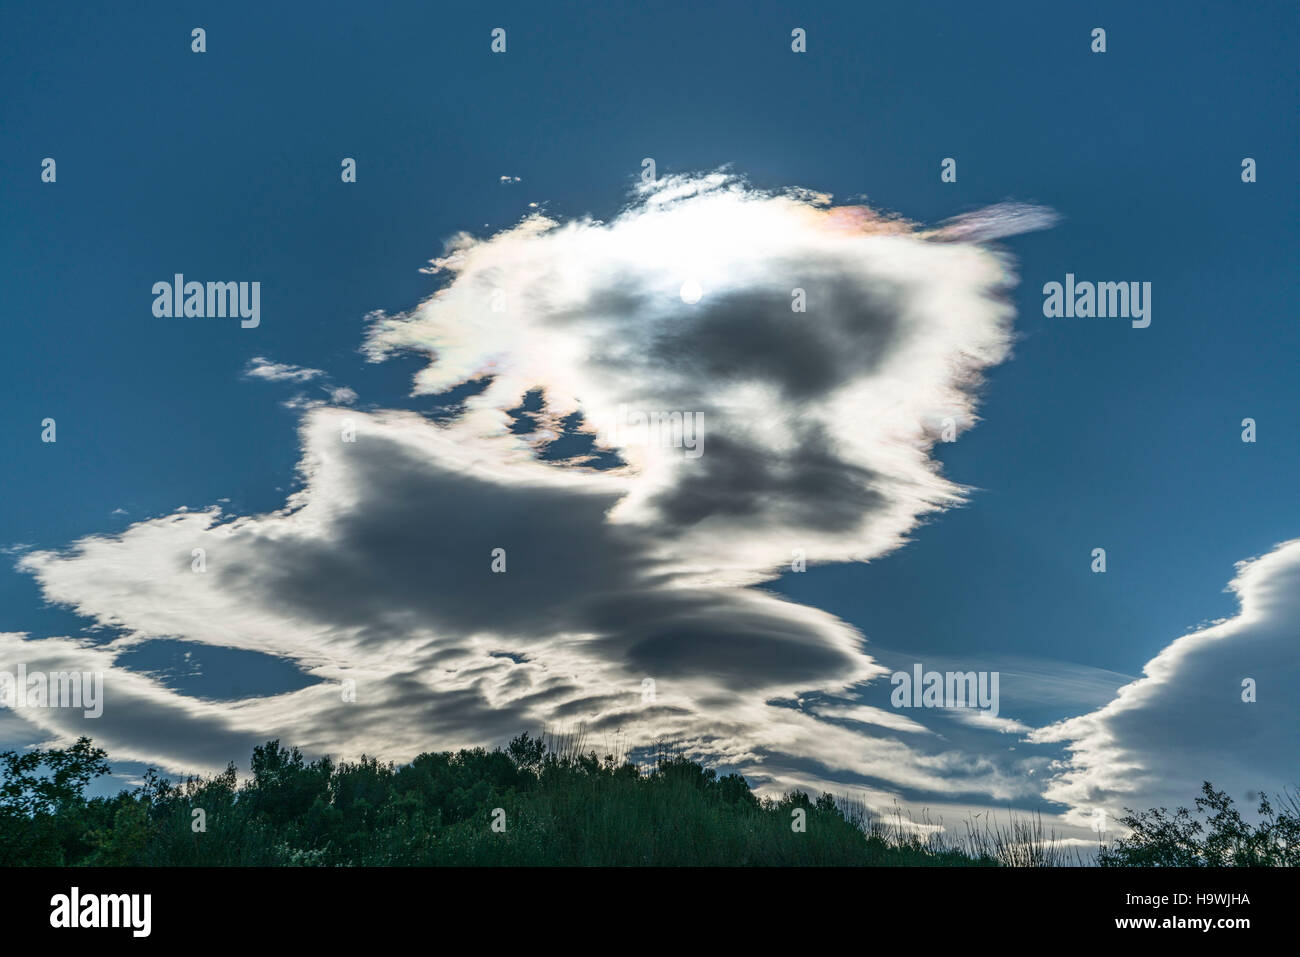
x,y
36,781
1160,839
44,819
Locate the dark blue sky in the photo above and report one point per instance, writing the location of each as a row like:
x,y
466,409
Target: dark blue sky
x,y
226,166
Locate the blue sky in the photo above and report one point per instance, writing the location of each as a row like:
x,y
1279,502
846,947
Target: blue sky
x,y
225,166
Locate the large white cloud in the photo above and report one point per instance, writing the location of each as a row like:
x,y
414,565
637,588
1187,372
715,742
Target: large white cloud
x,y
817,432
1187,720
817,425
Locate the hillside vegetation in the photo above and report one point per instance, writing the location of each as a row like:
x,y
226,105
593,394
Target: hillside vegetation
x,y
529,804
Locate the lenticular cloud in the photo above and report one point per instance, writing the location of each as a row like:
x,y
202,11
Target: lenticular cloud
x,y
822,350
767,374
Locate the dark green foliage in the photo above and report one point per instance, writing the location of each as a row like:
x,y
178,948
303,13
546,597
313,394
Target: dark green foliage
x,y
1160,839
43,817
560,806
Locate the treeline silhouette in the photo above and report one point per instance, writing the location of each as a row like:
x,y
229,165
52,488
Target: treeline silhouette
x,y
537,802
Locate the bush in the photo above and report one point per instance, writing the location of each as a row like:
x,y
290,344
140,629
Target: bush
x,y
1160,839
540,803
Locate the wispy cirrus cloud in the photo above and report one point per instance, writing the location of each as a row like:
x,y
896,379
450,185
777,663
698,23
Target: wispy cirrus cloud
x,y
260,367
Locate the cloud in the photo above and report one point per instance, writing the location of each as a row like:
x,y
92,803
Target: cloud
x,y
141,720
379,570
1185,721
995,222
865,714
816,429
260,368
817,425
